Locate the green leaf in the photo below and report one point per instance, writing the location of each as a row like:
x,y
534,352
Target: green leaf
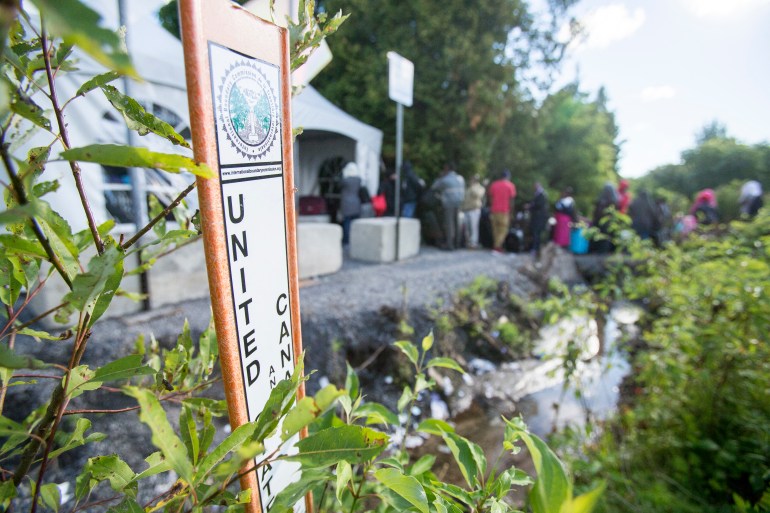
x,y
10,360
552,488
132,156
435,427
424,464
80,380
19,213
93,290
405,486
8,491
97,81
587,502
295,492
454,491
427,342
76,439
163,436
298,417
446,363
59,235
327,396
127,506
465,457
409,350
344,476
189,433
38,334
281,398
80,25
21,246
354,444
376,413
29,110
123,368
11,280
351,382
111,468
234,440
156,464
139,119
155,208
405,399
51,495
207,349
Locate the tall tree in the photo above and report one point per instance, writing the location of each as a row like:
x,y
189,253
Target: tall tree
x,y
714,130
470,71
578,144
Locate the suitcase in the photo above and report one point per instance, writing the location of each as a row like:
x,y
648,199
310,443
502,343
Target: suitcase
x,y
514,241
312,206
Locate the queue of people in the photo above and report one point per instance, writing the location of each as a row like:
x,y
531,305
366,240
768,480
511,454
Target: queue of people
x,y
474,214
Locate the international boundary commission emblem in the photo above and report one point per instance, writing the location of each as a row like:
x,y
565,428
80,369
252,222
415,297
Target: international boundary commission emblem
x,y
249,112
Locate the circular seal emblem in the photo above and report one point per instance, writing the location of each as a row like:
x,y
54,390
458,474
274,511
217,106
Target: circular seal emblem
x,y
248,109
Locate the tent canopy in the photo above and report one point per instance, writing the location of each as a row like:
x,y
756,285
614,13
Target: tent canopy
x,y
329,132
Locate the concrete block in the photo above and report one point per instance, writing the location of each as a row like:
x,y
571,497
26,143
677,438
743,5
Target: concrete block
x,y
319,248
320,218
179,276
374,239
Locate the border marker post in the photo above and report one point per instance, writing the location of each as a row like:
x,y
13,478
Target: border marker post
x,y
239,94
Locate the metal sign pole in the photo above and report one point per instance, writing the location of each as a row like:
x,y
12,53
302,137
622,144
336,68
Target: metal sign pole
x,y
400,86
399,151
239,93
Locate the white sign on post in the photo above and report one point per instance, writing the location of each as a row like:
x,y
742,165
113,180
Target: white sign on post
x,y
400,79
248,126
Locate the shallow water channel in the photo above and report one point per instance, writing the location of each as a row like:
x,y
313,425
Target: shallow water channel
x,y
536,388
539,388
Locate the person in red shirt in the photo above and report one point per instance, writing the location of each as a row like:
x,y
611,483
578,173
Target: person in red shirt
x,y
501,196
624,197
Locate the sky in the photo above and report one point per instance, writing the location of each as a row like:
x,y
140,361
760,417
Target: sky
x,y
671,67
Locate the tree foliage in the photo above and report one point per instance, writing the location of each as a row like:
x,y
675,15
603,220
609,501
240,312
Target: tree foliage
x,y
578,146
691,434
715,162
472,70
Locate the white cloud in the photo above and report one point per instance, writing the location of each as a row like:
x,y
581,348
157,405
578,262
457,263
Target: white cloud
x,y
722,8
610,23
662,92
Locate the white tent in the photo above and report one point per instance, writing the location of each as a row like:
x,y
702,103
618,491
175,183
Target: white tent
x,y
158,58
328,131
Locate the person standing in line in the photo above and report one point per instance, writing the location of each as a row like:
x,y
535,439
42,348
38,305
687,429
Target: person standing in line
x,y
502,194
411,190
565,215
350,199
451,189
644,213
624,197
705,207
538,217
751,198
388,191
474,200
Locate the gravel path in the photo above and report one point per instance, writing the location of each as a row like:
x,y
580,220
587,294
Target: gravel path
x,y
420,280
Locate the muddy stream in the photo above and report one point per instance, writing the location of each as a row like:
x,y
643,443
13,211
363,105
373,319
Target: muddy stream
x,y
537,389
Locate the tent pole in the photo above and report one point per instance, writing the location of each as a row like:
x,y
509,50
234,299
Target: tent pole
x,y
138,182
